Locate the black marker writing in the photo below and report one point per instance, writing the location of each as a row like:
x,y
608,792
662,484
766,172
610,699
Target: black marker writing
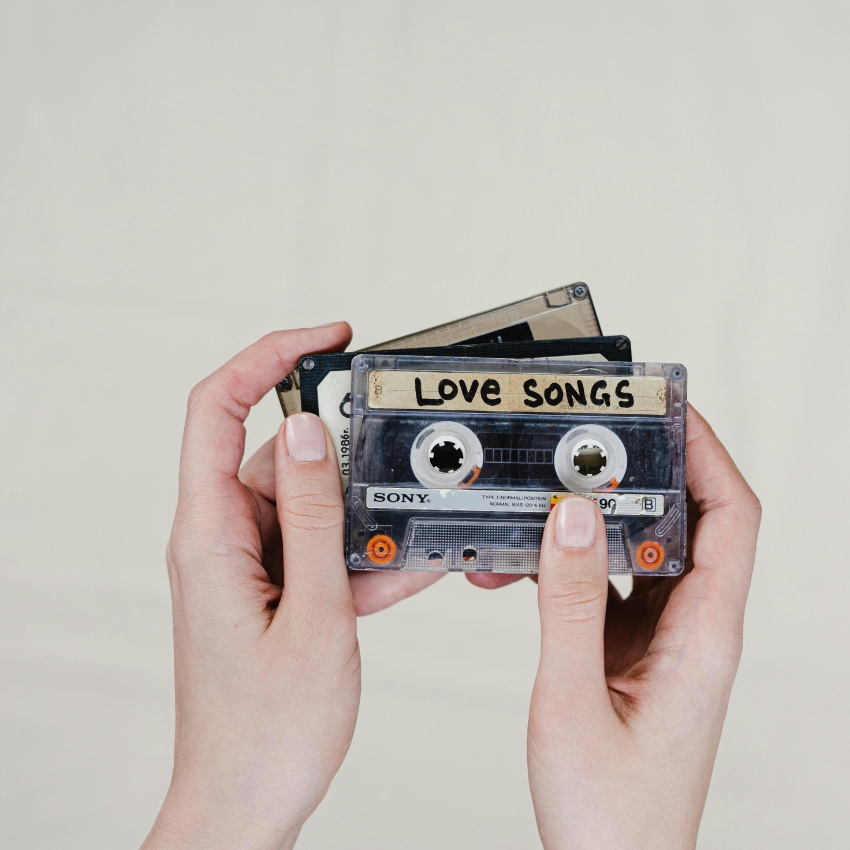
x,y
534,399
603,400
628,400
425,402
490,392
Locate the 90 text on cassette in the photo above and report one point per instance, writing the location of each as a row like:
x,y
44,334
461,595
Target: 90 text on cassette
x,y
457,461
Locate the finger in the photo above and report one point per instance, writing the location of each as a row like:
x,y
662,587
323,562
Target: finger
x,y
492,581
214,437
271,553
704,615
258,471
257,474
614,597
310,511
572,594
724,541
374,591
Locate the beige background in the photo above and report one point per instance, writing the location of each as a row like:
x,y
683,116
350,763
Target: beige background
x,y
177,179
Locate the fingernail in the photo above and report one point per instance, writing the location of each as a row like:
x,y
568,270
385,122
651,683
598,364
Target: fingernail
x,y
305,438
328,324
575,524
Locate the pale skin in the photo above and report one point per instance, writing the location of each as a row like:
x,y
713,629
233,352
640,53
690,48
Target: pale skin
x,y
630,696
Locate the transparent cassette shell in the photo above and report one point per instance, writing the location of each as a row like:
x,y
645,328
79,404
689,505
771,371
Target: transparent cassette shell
x,y
456,462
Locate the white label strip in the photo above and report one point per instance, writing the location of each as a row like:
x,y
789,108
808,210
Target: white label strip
x,y
512,501
514,392
334,397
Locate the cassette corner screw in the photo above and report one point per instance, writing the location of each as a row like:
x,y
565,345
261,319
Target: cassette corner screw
x,y
285,385
579,290
621,344
308,364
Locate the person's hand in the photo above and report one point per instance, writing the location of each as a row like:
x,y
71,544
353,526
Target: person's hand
x,y
267,678
371,590
630,697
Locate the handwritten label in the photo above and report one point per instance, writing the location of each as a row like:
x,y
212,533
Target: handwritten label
x,y
508,392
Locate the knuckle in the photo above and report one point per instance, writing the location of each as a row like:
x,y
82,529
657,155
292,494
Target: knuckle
x,y
754,507
223,388
310,511
273,338
576,600
199,394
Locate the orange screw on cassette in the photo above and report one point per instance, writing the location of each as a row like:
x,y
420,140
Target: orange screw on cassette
x,y
381,549
650,555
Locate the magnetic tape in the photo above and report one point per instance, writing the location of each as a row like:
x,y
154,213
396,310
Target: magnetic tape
x,y
457,461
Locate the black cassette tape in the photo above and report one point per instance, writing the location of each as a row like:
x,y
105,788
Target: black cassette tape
x,y
457,462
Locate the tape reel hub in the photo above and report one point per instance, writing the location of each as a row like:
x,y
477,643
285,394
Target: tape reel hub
x,y
446,454
590,457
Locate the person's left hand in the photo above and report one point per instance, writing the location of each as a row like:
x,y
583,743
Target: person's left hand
x,y
267,664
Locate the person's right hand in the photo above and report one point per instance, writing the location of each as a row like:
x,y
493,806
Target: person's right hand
x,y
629,702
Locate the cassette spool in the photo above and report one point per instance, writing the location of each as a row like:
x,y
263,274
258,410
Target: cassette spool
x,y
457,461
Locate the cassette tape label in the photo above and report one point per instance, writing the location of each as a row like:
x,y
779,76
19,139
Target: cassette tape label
x,y
517,393
334,395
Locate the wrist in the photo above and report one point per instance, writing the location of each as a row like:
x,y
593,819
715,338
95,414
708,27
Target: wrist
x,y
185,822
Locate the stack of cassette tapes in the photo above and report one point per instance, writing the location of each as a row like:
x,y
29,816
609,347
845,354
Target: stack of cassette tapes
x,y
455,443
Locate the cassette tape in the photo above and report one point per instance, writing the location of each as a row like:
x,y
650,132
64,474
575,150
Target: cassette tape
x,y
558,314
457,462
326,378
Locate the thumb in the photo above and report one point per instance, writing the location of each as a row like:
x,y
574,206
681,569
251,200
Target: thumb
x,y
310,510
572,594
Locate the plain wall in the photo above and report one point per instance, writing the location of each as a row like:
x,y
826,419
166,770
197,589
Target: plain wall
x,y
177,179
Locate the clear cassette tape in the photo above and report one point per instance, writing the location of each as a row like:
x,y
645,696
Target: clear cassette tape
x,y
456,462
